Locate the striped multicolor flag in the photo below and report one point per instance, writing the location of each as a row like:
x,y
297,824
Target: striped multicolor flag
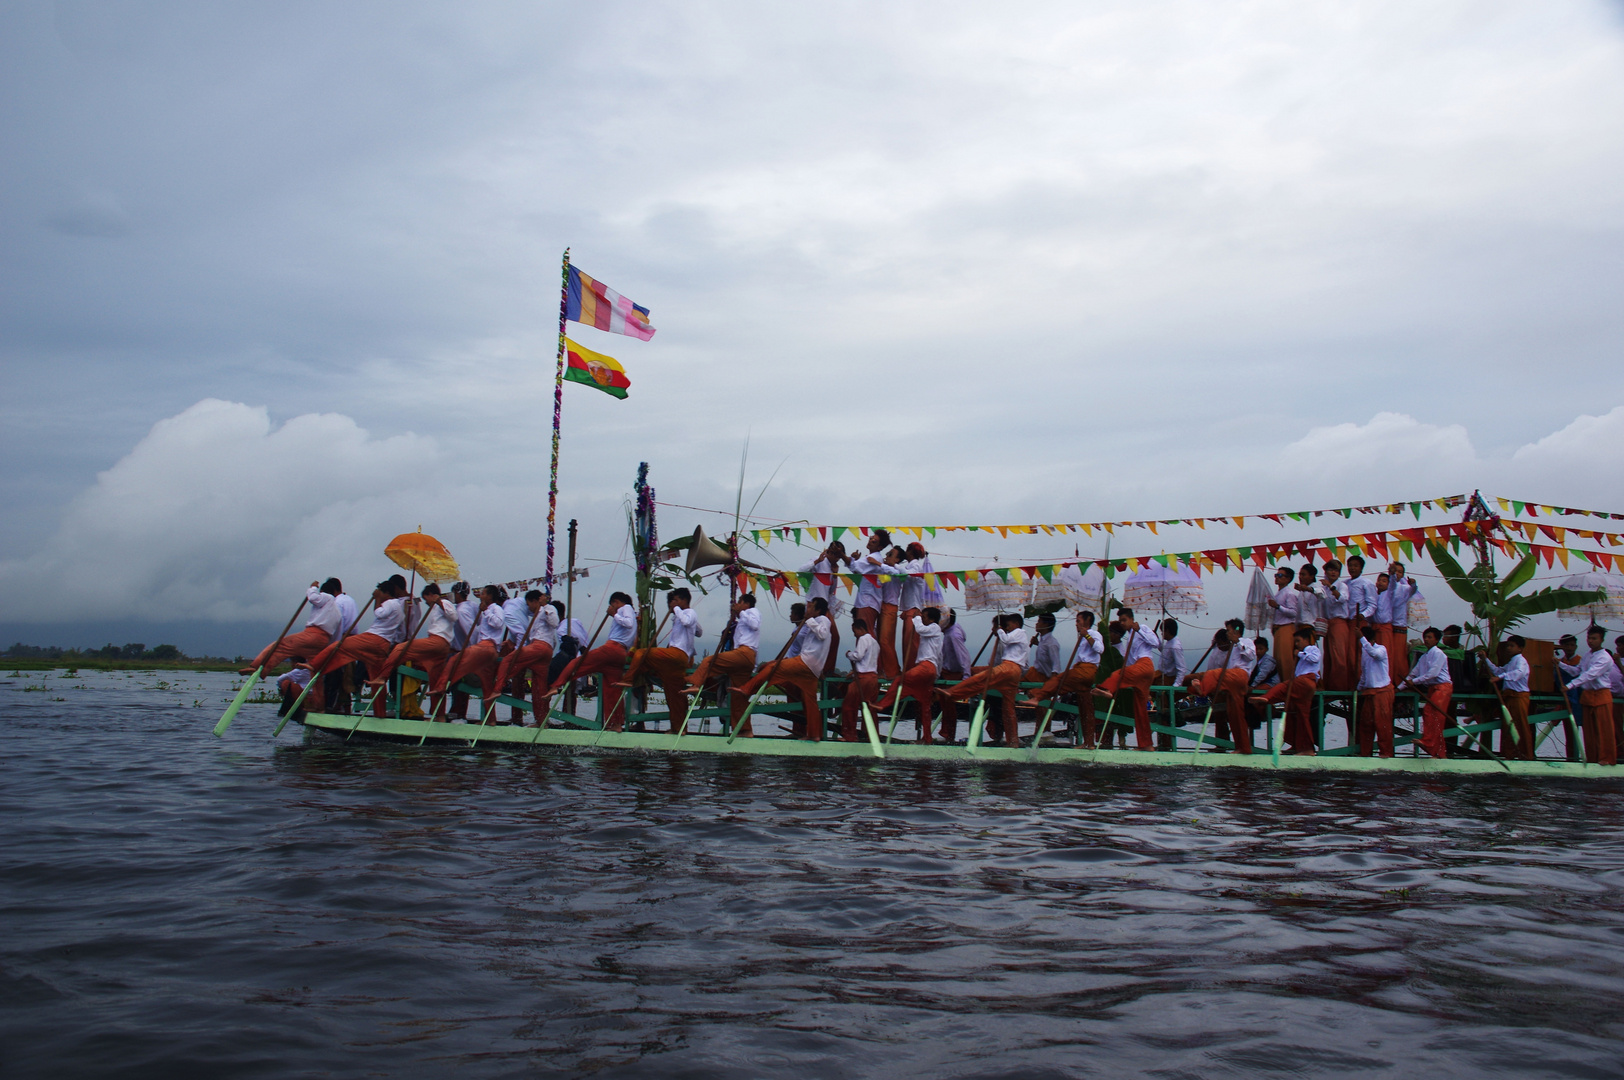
x,y
595,304
595,370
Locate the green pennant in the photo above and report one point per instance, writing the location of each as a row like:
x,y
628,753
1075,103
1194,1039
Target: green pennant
x,y
1003,573
1161,559
805,579
1246,553
1346,512
1046,573
840,531
1302,517
1517,507
1110,571
797,536
932,530
1407,548
1415,508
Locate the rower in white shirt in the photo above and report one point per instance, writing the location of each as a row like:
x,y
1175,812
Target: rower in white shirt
x,y
1139,649
1511,681
796,675
668,665
430,651
1339,607
375,644
827,564
1079,677
1593,678
1001,677
608,659
865,680
919,681
322,626
537,640
739,662
1375,695
1430,679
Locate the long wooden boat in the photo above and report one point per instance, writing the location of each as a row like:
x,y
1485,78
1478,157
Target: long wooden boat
x,y
587,735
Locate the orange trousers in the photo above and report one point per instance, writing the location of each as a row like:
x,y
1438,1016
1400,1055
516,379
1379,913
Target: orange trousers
x,y
910,639
919,683
533,658
608,660
478,662
864,690
669,667
1376,720
1298,694
732,664
368,648
1340,652
1284,657
1077,679
1435,702
1229,685
1523,745
889,667
1135,678
795,679
1003,679
306,643
427,653
1601,740
1398,654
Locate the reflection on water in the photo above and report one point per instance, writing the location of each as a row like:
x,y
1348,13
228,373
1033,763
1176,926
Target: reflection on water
x,y
174,902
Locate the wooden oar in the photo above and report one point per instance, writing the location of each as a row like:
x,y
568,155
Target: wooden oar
x,y
1505,714
766,682
523,640
625,687
242,695
873,732
1211,701
1049,716
978,718
316,674
384,687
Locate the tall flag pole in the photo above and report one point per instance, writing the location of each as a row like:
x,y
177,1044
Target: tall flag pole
x,y
558,412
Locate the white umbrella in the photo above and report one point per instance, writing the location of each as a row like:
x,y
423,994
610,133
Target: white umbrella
x,y
1082,591
1156,588
1259,616
992,593
1610,606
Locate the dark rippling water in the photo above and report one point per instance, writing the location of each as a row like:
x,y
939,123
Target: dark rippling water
x,y
177,905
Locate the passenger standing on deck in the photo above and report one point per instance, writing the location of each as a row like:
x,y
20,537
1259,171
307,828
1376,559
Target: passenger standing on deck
x,y
1593,678
608,659
914,597
954,666
827,565
1285,602
1402,590
1362,597
919,681
1375,693
669,664
1139,647
796,675
1079,678
890,605
1512,680
870,564
322,627
1338,649
865,680
739,662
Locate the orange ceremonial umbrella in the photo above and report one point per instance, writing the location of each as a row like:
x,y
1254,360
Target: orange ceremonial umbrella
x,y
422,554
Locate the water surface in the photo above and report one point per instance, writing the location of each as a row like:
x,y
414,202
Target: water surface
x,y
175,904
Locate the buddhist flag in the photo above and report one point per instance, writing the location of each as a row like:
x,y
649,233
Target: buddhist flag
x,y
595,304
595,370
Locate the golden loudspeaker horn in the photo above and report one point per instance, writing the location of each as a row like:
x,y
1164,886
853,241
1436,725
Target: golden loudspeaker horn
x,y
705,552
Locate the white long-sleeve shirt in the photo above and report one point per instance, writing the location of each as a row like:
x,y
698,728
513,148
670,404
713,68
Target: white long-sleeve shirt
x,y
1310,607
1595,672
467,614
350,612
814,635
1308,661
1362,596
1090,648
930,641
544,627
1336,600
868,586
1513,675
324,612
1012,645
1266,673
864,655
1045,655
1138,644
1431,668
1373,673
818,589
1406,591
1170,659
389,620
1243,654
747,631
623,626
1287,603
441,620
491,626
684,630
516,615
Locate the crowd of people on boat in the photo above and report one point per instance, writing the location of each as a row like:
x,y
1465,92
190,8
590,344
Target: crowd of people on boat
x,y
1333,629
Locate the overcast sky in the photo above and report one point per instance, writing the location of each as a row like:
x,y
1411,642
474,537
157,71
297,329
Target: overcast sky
x,y
280,280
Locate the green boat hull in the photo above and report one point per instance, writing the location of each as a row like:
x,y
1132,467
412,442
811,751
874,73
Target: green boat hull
x,y
571,740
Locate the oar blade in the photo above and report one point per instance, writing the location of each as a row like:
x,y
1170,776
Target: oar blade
x,y
231,710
